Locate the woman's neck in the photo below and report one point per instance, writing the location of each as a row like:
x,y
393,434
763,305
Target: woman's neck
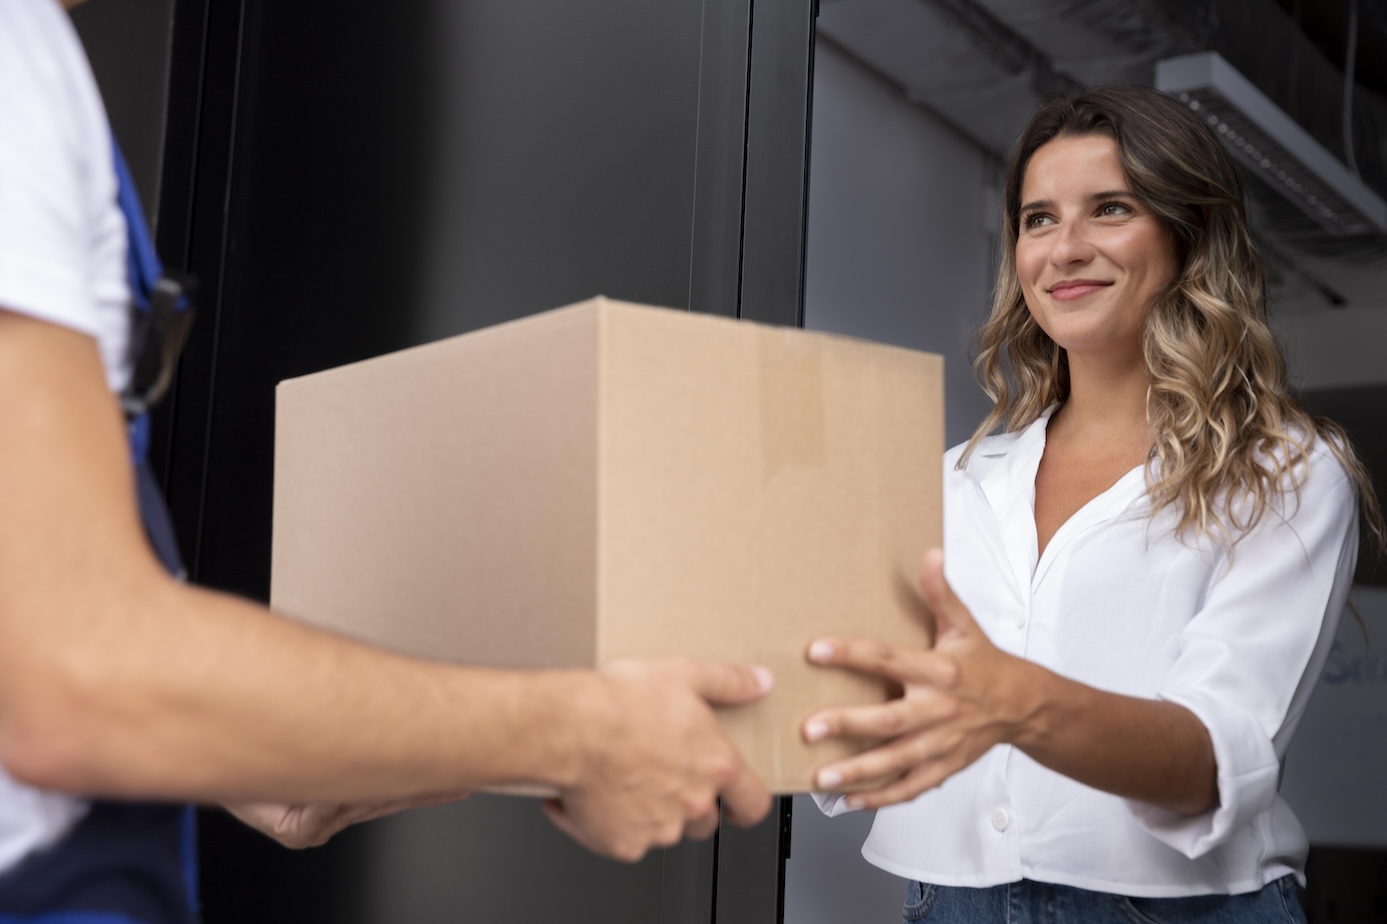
x,y
1106,401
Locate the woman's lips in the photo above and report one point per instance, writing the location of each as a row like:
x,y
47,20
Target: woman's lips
x,y
1068,291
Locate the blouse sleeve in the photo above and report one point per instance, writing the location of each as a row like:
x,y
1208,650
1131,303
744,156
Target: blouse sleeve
x,y
1250,658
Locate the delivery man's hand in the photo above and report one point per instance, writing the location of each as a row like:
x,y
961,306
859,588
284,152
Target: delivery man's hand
x,y
313,824
657,760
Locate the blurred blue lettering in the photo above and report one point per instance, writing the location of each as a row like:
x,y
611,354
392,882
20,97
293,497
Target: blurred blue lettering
x,y
1344,667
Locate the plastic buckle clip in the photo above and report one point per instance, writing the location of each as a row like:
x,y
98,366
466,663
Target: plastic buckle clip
x,y
157,340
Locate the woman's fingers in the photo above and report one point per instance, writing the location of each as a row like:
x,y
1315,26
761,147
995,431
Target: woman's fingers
x,y
945,718
880,721
893,773
906,666
919,780
890,761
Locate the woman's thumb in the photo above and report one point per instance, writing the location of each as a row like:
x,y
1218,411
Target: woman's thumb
x,y
949,612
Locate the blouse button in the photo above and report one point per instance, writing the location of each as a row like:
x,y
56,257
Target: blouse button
x,y
1021,619
1001,820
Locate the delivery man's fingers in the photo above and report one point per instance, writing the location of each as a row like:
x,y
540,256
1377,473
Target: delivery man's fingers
x,y
745,800
703,826
722,684
311,825
558,816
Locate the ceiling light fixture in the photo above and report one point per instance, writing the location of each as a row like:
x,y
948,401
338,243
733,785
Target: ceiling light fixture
x,y
1269,142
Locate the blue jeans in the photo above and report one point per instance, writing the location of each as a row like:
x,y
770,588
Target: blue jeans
x,y
1029,902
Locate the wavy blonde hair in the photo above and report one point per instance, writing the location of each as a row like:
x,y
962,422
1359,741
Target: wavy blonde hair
x,y
1227,425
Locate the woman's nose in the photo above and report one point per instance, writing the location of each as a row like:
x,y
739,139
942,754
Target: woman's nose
x,y
1070,244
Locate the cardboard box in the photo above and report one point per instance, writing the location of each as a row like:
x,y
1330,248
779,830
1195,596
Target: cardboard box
x,y
610,481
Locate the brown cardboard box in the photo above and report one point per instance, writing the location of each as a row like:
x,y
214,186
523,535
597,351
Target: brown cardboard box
x,y
608,481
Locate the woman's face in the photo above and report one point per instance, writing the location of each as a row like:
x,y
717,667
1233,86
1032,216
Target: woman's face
x,y
1089,256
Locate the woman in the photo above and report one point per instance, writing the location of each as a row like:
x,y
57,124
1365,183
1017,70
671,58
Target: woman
x,y
1150,561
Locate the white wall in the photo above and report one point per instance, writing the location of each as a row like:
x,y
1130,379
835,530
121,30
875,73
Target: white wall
x,y
901,210
899,251
1337,766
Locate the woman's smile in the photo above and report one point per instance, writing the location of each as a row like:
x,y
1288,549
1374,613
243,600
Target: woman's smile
x,y
1072,289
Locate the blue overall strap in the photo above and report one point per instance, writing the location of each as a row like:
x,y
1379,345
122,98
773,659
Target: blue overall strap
x,y
145,274
125,862
162,312
142,263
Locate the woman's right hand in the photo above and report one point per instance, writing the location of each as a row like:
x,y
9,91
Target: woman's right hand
x,y
960,698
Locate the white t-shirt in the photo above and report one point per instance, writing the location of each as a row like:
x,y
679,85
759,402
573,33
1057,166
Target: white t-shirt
x,y
62,259
1117,602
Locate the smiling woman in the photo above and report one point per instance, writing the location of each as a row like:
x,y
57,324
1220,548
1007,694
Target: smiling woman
x,y
1145,569
1212,378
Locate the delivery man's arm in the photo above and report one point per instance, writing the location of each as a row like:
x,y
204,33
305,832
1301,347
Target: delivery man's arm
x,y
116,680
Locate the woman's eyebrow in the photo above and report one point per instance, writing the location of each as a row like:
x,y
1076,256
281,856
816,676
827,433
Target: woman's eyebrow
x,y
1093,197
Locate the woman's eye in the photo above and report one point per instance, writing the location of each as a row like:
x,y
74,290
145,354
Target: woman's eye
x,y
1034,220
1109,209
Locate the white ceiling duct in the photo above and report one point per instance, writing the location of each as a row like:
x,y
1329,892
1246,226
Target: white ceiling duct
x,y
1272,146
950,57
985,65
1100,40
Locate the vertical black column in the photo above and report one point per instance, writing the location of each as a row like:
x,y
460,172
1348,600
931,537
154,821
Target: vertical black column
x,y
191,238
715,277
750,876
751,869
777,161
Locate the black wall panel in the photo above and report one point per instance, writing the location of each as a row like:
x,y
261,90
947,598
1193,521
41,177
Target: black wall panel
x,y
128,44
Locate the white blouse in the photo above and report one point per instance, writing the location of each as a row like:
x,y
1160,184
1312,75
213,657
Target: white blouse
x,y
1119,603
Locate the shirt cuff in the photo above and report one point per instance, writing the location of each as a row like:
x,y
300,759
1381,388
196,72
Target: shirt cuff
x,y
832,803
1248,776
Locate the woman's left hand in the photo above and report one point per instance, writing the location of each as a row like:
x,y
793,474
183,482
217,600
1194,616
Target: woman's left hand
x,y
960,698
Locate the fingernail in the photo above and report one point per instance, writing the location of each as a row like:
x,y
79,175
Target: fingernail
x,y
821,651
828,779
816,729
764,678
854,802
